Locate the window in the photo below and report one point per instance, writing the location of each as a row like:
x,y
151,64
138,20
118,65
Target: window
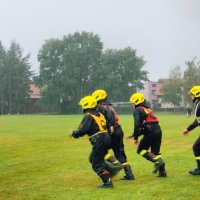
x,y
154,85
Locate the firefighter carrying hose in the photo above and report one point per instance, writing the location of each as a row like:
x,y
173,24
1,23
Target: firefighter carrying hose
x,y
147,124
116,133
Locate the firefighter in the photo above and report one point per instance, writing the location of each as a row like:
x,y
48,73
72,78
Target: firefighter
x,y
147,124
94,125
195,94
116,132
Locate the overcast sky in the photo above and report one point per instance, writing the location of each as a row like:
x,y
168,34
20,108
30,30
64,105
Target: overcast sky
x,y
165,32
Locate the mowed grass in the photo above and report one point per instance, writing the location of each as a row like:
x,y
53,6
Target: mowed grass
x,y
39,161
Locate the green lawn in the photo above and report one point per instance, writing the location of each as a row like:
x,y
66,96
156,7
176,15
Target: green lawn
x,y
39,161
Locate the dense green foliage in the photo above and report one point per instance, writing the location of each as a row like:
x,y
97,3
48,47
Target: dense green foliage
x,y
76,65
175,89
39,161
15,79
172,88
190,78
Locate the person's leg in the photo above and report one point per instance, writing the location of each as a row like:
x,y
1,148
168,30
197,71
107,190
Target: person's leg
x,y
155,149
196,151
143,147
119,151
99,150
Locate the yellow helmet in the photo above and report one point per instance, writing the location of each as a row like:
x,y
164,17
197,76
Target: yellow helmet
x,y
137,98
88,102
99,95
195,90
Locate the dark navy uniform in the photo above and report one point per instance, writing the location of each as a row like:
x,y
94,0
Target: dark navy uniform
x,y
94,125
147,124
117,136
196,145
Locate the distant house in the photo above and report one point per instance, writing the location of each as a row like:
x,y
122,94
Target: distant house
x,y
33,106
34,92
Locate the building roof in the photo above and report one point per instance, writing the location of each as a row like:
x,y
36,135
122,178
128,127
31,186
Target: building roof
x,y
34,92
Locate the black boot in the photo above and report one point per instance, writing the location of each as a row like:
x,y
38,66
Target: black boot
x,y
159,163
155,159
196,172
162,171
128,171
106,185
105,177
113,169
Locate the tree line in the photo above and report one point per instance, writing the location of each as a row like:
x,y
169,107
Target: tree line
x,y
76,65
15,73
73,67
176,88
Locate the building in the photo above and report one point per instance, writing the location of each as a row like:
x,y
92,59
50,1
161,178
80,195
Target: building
x,y
34,92
150,92
153,93
33,106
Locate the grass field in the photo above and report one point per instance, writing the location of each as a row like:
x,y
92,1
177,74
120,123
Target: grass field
x,y
38,161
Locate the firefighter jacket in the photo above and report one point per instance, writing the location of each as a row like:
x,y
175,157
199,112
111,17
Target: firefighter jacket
x,y
109,113
92,123
143,117
197,117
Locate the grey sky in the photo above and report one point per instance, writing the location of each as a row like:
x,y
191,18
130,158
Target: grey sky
x,y
165,32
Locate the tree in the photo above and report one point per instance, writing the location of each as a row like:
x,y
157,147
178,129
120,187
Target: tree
x,y
15,78
191,78
172,88
65,68
120,73
3,101
51,68
76,65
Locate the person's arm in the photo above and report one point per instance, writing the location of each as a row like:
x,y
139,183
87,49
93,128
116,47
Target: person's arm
x,y
195,123
138,116
109,116
83,128
191,127
137,124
